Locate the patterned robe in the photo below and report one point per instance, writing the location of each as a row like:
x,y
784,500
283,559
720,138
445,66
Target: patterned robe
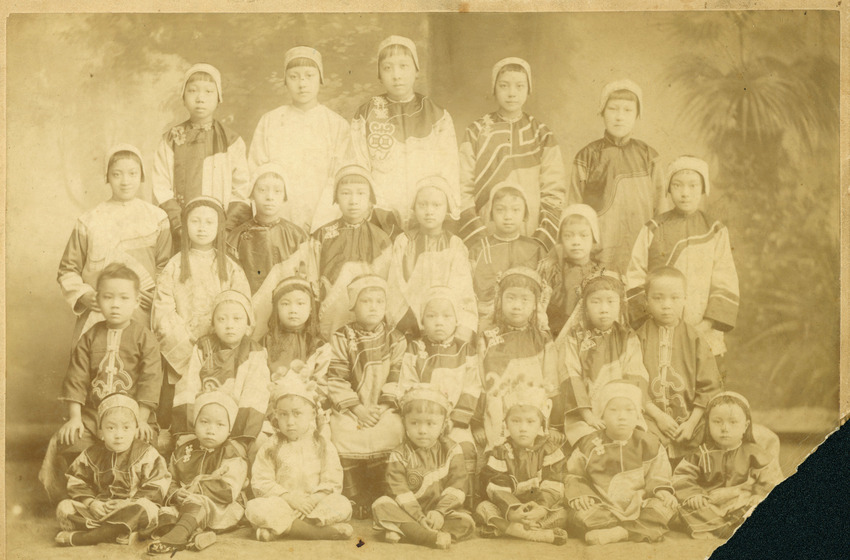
x,y
259,247
523,152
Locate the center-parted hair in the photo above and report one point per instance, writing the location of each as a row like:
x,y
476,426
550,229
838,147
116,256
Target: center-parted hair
x,y
125,154
185,244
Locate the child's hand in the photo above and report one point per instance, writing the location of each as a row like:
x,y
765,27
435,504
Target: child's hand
x,y
479,436
98,509
704,326
667,498
145,433
433,520
686,430
582,503
112,505
592,420
146,299
364,415
301,503
667,425
71,430
89,299
696,502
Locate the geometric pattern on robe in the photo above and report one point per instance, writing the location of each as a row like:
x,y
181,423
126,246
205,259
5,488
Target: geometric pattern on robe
x,y
241,372
682,373
622,475
401,142
134,233
182,311
728,478
564,279
310,146
699,247
523,152
214,479
620,179
258,247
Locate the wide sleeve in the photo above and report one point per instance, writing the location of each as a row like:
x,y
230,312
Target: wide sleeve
x,y
553,192
686,479
707,375
767,477
496,481
636,276
399,490
409,375
447,154
633,366
398,344
723,295
576,483
330,479
185,390
254,397
571,386
578,176
164,246
225,484
149,382
471,389
163,185
397,286
340,391
175,339
238,280
71,269
240,177
460,281
657,472
258,154
552,476
153,475
263,471
359,145
77,382
175,483
454,483
81,478
472,227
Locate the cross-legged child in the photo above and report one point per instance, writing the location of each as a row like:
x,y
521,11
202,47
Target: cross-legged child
x,y
201,156
428,255
523,477
297,477
117,355
117,485
509,145
348,247
402,136
123,229
618,485
308,140
208,473
505,248
618,176
719,485
688,239
570,262
682,372
365,426
426,477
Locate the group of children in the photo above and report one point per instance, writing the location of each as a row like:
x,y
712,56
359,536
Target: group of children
x,y
379,324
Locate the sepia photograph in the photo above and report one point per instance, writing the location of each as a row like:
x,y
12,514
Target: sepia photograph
x,y
491,284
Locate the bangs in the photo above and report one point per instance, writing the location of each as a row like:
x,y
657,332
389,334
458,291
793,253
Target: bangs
x,y
422,406
200,77
603,283
393,50
301,62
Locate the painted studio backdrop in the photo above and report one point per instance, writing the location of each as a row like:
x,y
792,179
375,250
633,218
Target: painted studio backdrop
x,y
756,94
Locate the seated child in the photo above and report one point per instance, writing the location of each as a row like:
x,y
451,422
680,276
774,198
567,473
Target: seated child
x,y
348,247
618,176
503,249
686,238
297,476
595,347
618,483
426,477
201,156
117,355
123,229
308,140
511,146
117,485
229,361
570,262
523,478
267,240
208,473
515,352
719,485
365,427
682,372
428,255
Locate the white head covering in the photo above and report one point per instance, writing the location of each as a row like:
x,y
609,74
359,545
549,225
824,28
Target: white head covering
x,y
219,398
584,211
425,392
270,167
732,394
363,282
613,390
440,183
292,384
504,62
123,148
305,52
209,69
527,395
237,297
360,171
117,400
505,185
617,86
690,163
398,40
439,292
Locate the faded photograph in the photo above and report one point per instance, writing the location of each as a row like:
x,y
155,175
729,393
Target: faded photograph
x,y
470,285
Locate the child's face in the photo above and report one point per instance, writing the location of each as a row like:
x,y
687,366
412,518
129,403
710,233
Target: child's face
x,y
438,320
727,424
508,214
577,241
665,300
354,201
430,209
212,426
518,306
118,299
294,417
603,308
201,100
302,83
230,323
620,417
620,116
202,227
370,307
511,92
423,428
523,425
686,190
293,309
398,73
124,177
118,429
268,196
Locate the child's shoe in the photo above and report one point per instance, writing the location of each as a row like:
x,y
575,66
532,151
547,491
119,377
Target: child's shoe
x,y
129,539
392,537
443,541
343,531
606,536
63,538
202,540
264,535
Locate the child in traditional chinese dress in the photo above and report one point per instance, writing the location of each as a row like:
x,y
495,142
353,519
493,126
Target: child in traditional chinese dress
x,y
201,156
511,146
115,487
